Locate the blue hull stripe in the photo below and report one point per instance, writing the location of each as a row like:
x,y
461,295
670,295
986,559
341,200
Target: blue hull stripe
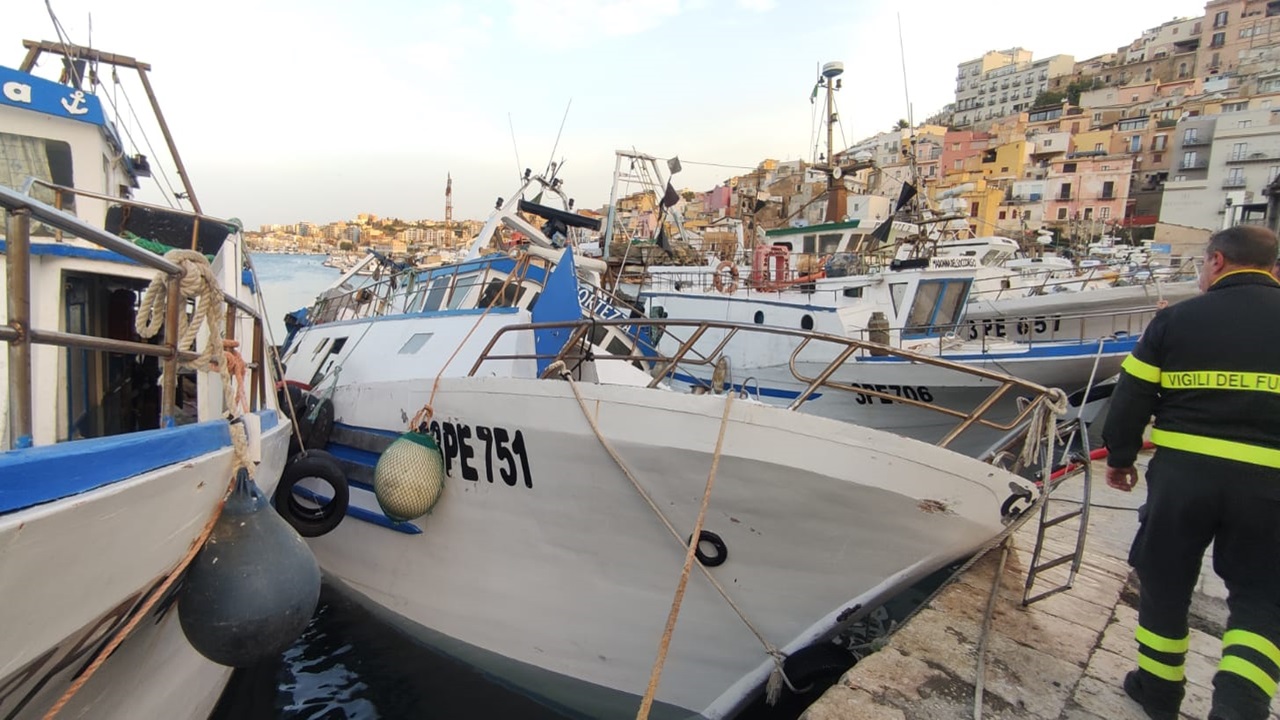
x,y
362,514
353,455
43,474
369,431
764,391
73,251
727,298
1035,352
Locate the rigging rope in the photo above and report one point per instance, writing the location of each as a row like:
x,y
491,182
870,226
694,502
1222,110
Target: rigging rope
x,y
690,554
778,676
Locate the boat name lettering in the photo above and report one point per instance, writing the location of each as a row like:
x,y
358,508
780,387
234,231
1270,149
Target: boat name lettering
x,y
476,448
31,93
910,392
1024,326
593,304
964,262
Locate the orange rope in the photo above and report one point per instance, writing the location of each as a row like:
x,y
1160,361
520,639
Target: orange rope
x,y
142,612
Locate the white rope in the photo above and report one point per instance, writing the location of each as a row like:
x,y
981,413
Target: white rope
x,y
197,283
778,677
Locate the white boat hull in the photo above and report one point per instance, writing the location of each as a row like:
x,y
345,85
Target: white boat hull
x,y
75,569
543,566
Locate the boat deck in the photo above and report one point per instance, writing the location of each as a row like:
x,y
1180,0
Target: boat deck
x,y
1063,658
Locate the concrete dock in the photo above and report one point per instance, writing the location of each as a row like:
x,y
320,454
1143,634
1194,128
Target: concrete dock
x,y
1062,658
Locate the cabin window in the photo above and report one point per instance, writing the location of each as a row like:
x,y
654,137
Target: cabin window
x,y
439,286
897,291
806,322
462,289
852,292
829,243
759,317
938,304
48,160
809,243
499,293
414,343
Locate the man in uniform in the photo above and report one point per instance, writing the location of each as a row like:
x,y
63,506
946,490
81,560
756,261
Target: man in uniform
x,y
1208,368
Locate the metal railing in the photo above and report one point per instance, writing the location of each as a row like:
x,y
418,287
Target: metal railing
x,y
1052,281
20,335
578,349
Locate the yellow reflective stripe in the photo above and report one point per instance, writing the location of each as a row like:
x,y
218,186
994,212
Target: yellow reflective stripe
x,y
1172,673
1253,641
1159,643
1266,273
1220,380
1141,370
1245,669
1216,447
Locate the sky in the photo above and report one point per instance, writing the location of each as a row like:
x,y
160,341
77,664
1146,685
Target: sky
x,y
292,110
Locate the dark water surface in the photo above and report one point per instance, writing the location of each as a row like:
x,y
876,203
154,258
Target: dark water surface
x,y
350,665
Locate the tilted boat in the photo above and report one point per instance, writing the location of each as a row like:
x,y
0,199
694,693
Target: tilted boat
x,y
574,475
113,458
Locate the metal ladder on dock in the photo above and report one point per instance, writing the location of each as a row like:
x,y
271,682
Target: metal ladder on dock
x,y
1074,461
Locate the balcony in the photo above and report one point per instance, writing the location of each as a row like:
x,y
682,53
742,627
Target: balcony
x,y
1232,183
1239,158
1166,123
1197,142
1193,165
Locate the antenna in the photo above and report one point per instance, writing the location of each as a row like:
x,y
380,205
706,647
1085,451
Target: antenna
x,y
514,147
558,133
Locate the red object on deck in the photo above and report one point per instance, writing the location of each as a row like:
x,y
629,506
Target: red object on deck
x,y
1095,455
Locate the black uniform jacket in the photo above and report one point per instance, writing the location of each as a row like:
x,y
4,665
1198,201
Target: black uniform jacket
x,y
1208,368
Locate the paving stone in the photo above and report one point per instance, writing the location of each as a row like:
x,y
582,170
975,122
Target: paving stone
x,y
891,670
1030,626
1031,680
1119,639
1107,666
1078,610
1107,700
1076,713
842,702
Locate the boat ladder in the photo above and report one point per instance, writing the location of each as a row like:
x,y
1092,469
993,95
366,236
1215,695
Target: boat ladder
x,y
1074,438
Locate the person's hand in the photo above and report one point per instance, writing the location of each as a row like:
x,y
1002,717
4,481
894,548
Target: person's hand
x,y
1162,304
1123,479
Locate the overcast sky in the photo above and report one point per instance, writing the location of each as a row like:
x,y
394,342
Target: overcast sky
x,y
288,110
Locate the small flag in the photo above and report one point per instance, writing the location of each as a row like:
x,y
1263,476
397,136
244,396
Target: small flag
x,y
813,96
537,199
671,197
907,192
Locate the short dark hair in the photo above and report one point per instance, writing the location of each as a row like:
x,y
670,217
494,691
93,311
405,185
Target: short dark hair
x,y
1246,245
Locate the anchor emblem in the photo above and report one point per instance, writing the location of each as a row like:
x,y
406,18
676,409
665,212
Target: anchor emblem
x,y
75,106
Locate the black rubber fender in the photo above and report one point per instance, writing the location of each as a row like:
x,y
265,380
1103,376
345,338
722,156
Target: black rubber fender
x,y
312,521
319,427
712,539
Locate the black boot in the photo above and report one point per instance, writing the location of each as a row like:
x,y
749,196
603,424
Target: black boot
x,y
1157,705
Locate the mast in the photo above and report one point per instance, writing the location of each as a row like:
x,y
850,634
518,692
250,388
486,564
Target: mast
x,y
448,209
829,80
73,52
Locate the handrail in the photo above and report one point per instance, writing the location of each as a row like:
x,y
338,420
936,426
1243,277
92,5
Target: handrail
x,y
125,201
20,335
12,200
571,354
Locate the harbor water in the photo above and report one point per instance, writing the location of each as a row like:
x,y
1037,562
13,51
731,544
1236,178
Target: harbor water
x,y
350,664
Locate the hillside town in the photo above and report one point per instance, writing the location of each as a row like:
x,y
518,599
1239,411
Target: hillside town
x,y
1165,139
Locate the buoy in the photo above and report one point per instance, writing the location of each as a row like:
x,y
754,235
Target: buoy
x,y
409,477
253,587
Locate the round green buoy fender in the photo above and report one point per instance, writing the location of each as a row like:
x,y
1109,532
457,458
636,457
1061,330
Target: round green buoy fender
x,y
409,477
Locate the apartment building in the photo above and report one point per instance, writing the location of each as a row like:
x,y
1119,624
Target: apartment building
x,y
1003,83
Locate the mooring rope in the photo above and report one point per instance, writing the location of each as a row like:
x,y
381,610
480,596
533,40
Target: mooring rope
x,y
655,675
778,677
127,629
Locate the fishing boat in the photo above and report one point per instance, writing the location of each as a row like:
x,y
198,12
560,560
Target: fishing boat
x,y
572,476
116,451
